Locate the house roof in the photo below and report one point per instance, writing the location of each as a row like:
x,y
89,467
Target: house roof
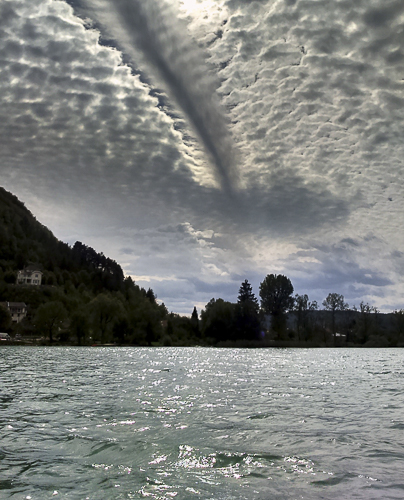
x,y
13,304
31,269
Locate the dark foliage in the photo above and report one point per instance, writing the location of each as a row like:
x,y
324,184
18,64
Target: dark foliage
x,y
247,322
276,294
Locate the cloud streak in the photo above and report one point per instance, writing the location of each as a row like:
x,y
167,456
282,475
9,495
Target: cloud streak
x,y
154,28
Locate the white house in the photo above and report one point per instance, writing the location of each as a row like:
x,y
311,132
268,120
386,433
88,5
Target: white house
x,y
29,276
18,310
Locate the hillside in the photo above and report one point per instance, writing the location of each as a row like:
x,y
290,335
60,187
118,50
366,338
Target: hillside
x,y
24,241
84,296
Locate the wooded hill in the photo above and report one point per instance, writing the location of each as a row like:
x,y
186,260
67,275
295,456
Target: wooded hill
x,y
84,296
24,241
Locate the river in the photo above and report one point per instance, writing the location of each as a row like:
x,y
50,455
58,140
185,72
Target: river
x,y
201,423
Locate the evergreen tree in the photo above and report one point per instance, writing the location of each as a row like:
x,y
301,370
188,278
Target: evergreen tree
x,y
195,322
247,297
246,315
151,296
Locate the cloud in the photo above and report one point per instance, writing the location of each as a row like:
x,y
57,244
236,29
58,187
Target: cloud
x,y
72,107
154,29
310,93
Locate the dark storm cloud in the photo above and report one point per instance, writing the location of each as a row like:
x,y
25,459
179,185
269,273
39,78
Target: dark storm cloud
x,y
384,15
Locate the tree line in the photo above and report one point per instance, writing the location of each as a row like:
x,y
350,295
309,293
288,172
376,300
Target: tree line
x,y
284,318
85,298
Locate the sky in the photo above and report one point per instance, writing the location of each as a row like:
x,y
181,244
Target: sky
x,y
200,143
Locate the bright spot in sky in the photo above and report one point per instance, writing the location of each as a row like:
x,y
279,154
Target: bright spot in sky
x,y
195,6
190,5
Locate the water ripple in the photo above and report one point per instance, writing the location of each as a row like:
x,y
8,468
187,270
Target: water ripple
x,y
131,423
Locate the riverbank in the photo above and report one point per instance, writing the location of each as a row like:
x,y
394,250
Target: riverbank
x,y
221,345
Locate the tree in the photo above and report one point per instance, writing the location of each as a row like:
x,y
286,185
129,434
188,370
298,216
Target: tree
x,y
150,333
105,311
151,296
121,329
246,314
302,308
399,324
247,297
10,277
79,324
276,298
365,321
334,302
218,320
5,319
276,294
195,322
50,317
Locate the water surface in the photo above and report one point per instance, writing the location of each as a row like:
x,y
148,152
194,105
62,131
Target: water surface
x,y
195,423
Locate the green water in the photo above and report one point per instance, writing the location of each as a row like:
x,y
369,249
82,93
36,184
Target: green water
x,y
194,423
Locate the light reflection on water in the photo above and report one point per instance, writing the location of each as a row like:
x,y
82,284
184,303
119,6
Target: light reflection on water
x,y
161,423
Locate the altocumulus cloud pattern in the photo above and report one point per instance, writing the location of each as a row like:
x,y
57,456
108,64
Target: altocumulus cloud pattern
x,y
297,103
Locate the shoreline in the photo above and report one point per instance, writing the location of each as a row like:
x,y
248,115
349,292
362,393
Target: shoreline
x,y
222,345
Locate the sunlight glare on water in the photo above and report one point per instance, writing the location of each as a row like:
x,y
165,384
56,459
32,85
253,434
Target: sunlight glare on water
x,y
162,423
